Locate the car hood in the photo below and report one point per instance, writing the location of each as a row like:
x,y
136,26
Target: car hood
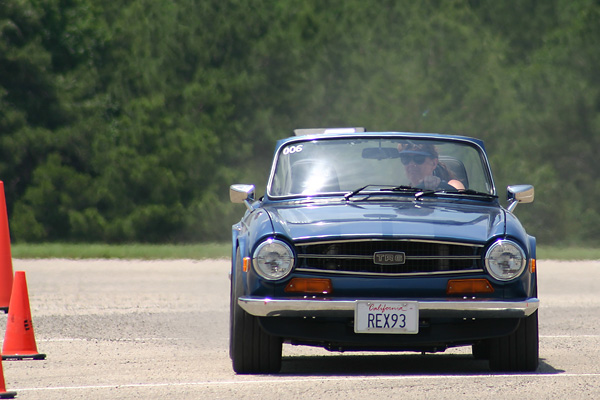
x,y
415,219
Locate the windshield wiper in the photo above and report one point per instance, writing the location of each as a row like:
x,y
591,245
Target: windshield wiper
x,y
423,192
356,191
419,192
404,188
472,192
360,189
469,192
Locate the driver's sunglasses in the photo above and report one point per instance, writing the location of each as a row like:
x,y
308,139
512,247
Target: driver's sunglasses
x,y
418,159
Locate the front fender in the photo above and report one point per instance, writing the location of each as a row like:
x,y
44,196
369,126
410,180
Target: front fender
x,y
252,229
533,257
532,247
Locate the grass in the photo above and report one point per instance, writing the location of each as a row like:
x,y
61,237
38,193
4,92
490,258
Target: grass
x,y
212,250
126,251
568,253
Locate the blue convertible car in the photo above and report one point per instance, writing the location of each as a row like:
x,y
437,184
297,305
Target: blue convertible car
x,y
382,241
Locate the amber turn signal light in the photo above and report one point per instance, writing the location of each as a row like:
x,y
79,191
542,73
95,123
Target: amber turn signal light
x,y
309,285
469,286
532,266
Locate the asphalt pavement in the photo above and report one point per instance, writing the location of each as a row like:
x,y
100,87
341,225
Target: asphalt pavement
x,y
159,329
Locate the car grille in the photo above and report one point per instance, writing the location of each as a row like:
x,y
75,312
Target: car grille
x,y
410,257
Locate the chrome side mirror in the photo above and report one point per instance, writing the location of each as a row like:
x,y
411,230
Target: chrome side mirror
x,y
516,194
241,193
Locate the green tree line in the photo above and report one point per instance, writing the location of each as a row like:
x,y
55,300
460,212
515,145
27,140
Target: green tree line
x,y
128,121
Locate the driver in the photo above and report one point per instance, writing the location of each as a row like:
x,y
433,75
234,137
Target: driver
x,y
423,168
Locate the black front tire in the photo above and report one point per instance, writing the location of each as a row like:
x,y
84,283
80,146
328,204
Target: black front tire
x,y
518,351
252,350
481,351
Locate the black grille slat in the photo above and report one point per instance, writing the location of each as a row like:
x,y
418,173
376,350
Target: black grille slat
x,y
422,257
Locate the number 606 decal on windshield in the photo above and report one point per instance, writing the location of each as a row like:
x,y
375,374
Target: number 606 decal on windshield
x,y
292,149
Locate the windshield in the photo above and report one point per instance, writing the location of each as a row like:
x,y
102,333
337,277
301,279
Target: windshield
x,y
342,165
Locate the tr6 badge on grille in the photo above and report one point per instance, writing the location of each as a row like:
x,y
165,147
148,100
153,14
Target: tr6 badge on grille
x,y
389,257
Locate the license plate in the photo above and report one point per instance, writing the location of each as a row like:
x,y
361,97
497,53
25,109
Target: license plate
x,y
386,317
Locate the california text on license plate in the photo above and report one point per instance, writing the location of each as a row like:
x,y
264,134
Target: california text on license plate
x,y
386,317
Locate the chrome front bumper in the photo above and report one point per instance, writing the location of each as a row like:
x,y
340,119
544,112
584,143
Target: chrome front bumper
x,y
320,307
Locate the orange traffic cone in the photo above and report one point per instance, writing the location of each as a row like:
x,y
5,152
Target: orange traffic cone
x,y
19,340
3,393
6,269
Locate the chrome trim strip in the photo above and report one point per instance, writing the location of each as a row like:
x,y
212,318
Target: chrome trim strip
x,y
337,256
443,257
325,307
359,257
350,240
396,274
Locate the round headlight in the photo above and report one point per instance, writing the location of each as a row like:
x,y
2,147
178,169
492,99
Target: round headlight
x,y
505,260
273,259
